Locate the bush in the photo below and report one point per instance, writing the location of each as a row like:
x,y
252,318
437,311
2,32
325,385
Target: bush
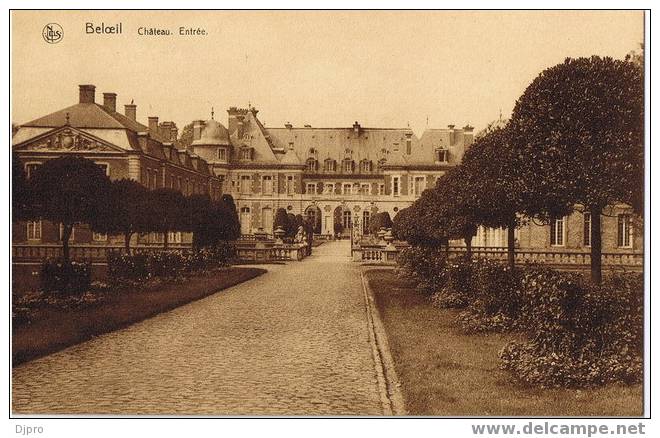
x,y
457,291
580,334
427,266
124,268
495,302
63,277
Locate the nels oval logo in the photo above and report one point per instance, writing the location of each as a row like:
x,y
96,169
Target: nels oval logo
x,y
52,33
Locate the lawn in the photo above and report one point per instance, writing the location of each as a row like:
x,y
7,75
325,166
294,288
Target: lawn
x,y
52,328
445,372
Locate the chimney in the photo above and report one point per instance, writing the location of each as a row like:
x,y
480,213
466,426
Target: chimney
x,y
86,93
356,128
174,133
468,128
110,101
130,110
198,126
308,126
153,125
288,125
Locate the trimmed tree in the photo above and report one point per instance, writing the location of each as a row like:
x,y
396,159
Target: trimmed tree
x,y
281,220
579,132
230,225
126,211
165,208
380,220
67,190
489,191
458,214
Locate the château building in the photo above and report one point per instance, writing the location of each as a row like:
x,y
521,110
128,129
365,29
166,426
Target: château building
x,y
339,176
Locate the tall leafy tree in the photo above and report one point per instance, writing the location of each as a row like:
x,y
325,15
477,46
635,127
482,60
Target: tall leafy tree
x,y
126,211
489,190
67,190
459,217
579,132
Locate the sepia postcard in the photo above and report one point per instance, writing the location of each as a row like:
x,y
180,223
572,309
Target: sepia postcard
x,y
331,213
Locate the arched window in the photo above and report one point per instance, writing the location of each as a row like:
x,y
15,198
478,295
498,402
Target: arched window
x,y
311,165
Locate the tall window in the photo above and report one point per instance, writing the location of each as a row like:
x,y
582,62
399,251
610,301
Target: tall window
x,y
245,183
381,189
396,181
267,219
408,146
245,220
311,188
289,185
267,185
34,230
365,188
557,230
624,231
587,229
366,216
347,188
419,184
222,154
347,219
246,154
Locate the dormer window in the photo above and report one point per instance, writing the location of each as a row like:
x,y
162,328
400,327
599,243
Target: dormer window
x,y
330,165
441,155
382,162
246,153
311,165
348,166
365,166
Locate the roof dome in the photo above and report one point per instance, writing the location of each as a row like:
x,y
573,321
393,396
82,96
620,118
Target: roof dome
x,y
213,134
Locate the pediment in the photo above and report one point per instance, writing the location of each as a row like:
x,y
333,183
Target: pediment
x,y
67,139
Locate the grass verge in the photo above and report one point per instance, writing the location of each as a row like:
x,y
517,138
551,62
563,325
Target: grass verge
x,y
445,372
55,329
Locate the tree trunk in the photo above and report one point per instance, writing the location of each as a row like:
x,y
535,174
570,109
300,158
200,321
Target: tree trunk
x,y
468,247
596,245
127,240
165,242
66,234
511,244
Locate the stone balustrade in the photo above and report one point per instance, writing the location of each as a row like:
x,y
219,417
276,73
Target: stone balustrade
x,y
565,259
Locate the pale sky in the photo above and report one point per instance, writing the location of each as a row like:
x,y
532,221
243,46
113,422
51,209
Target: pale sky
x,y
327,69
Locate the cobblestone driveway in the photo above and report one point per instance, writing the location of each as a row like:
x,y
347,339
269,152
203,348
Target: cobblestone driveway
x,y
292,341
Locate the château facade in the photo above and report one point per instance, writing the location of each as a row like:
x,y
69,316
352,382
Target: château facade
x,y
341,177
